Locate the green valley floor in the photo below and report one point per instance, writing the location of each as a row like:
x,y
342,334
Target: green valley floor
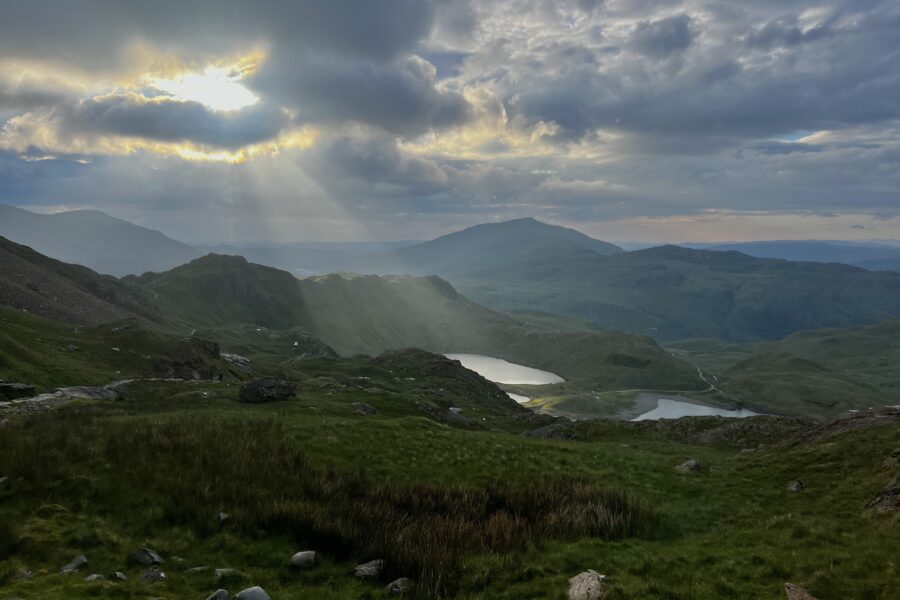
x,y
467,507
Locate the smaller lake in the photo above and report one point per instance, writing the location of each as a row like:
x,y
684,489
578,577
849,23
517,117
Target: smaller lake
x,y
519,397
675,409
501,371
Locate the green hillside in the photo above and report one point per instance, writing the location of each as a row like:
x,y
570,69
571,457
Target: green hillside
x,y
812,372
673,293
370,314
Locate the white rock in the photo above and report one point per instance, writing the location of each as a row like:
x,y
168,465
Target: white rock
x,y
587,586
305,559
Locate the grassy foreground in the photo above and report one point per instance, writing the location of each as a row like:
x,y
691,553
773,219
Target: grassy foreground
x,y
469,513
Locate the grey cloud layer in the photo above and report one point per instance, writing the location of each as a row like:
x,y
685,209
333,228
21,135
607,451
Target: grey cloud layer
x,y
649,107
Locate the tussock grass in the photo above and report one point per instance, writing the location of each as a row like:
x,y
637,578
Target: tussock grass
x,y
182,472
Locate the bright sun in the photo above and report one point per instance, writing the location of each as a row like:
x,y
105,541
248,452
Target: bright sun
x,y
215,88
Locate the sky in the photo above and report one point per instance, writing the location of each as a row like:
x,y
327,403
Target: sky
x,y
301,120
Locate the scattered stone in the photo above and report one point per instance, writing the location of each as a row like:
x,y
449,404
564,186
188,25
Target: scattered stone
x,y
118,576
558,430
267,389
223,517
10,390
178,559
399,587
3,480
227,573
75,564
888,499
94,577
795,486
370,570
237,361
691,465
23,575
196,570
361,408
795,592
218,595
147,557
893,460
587,585
254,593
72,348
455,410
153,575
305,559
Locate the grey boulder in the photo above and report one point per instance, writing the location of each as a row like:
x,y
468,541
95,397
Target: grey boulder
x,y
361,408
587,585
795,486
305,559
795,592
222,574
147,557
218,595
94,577
370,570
691,465
153,575
398,587
267,389
254,593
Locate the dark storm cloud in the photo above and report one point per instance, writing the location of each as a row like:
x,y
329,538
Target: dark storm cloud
x,y
399,96
131,115
663,37
330,61
95,32
737,78
578,109
365,165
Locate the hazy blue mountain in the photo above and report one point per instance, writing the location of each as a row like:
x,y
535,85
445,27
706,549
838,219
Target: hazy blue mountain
x,y
672,293
490,245
96,240
872,256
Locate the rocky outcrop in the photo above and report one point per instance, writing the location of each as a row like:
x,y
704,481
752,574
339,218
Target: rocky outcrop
x,y
10,390
795,592
560,430
587,585
691,465
267,389
361,408
888,499
241,363
153,575
194,358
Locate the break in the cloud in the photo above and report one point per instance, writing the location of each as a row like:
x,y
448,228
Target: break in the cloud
x,y
677,119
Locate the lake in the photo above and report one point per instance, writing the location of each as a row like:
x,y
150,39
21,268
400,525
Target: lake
x,y
519,397
501,371
666,408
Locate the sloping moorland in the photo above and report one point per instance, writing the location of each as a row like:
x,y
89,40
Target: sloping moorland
x,y
408,457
